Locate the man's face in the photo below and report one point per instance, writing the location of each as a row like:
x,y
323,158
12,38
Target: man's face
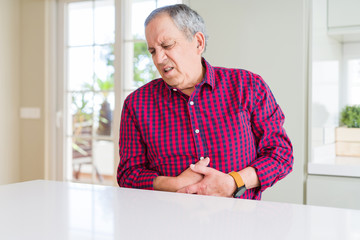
x,y
176,57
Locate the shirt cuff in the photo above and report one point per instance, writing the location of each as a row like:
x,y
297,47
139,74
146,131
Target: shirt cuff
x,y
267,170
146,179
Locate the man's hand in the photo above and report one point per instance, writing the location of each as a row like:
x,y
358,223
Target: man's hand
x,y
214,183
186,178
189,177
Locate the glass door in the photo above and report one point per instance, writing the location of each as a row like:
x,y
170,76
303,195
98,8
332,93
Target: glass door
x,y
89,96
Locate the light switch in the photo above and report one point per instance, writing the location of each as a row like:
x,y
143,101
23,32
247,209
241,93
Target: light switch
x,y
30,113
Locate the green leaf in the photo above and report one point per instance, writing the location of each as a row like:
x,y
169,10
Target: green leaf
x,y
350,116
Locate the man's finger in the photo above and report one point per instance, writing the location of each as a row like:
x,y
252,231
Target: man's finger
x,y
192,189
200,169
182,190
203,162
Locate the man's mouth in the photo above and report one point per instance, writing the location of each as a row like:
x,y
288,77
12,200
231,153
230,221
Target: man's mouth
x,y
168,69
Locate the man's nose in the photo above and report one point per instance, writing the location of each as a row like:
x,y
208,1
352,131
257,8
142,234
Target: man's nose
x,y
160,57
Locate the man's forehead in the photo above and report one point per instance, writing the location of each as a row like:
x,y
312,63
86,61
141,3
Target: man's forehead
x,y
162,29
162,22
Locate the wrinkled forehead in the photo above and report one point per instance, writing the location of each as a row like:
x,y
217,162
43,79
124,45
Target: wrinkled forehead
x,y
159,20
162,26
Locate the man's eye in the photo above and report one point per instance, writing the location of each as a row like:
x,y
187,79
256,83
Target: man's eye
x,y
168,46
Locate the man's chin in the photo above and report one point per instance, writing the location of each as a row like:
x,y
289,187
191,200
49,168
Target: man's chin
x,y
171,82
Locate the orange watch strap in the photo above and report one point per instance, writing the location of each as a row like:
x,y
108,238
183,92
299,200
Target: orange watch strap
x,y
238,180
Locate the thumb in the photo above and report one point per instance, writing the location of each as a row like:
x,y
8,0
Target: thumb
x,y
204,162
200,169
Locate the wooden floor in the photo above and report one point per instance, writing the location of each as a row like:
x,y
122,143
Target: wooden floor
x,y
109,180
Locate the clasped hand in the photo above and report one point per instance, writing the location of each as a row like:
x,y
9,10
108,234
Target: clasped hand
x,y
204,180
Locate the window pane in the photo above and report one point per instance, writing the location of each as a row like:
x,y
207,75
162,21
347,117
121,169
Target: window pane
x,y
144,69
354,81
140,11
82,113
354,71
104,159
161,3
104,68
82,159
80,23
104,107
104,22
92,160
82,148
80,68
355,95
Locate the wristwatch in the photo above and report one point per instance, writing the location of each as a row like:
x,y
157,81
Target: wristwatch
x,y
239,184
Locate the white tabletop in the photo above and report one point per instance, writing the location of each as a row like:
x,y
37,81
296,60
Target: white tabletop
x,y
56,210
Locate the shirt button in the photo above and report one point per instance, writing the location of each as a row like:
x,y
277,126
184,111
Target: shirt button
x,y
191,103
197,130
174,89
202,158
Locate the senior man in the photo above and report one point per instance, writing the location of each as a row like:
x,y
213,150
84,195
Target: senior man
x,y
199,129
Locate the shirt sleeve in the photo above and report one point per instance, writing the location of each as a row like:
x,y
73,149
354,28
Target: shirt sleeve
x,y
274,149
133,171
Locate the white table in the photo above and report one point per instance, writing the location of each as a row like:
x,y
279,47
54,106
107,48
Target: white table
x,y
56,210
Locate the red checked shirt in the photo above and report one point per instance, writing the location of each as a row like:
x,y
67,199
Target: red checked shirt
x,y
231,117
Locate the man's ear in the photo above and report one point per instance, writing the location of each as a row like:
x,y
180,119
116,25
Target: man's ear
x,y
200,42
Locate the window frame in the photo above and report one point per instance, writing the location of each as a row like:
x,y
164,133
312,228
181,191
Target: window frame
x,y
60,170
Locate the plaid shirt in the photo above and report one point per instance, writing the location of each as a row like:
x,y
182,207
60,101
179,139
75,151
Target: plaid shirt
x,y
231,117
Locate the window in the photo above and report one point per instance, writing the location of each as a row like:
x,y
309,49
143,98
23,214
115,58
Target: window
x,y
335,83
137,57
352,73
92,88
89,91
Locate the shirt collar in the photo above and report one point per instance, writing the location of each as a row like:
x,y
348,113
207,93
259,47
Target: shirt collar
x,y
209,76
209,79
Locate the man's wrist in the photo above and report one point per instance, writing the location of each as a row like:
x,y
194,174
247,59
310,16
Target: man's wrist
x,y
240,184
232,186
164,183
249,177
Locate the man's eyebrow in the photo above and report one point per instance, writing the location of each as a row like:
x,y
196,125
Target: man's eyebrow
x,y
168,41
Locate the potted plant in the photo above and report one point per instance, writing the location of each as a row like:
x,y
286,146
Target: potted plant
x,y
348,135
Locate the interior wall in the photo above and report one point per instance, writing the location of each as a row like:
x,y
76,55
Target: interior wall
x,y
33,72
270,39
9,91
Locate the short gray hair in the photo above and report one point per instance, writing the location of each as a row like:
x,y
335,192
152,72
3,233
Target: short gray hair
x,y
187,20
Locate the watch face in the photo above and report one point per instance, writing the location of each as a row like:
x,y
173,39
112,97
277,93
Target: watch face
x,y
240,191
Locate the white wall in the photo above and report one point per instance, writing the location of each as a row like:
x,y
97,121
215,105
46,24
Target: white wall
x,y
9,91
268,38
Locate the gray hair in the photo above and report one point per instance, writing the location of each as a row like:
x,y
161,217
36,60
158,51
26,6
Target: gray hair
x,y
186,20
